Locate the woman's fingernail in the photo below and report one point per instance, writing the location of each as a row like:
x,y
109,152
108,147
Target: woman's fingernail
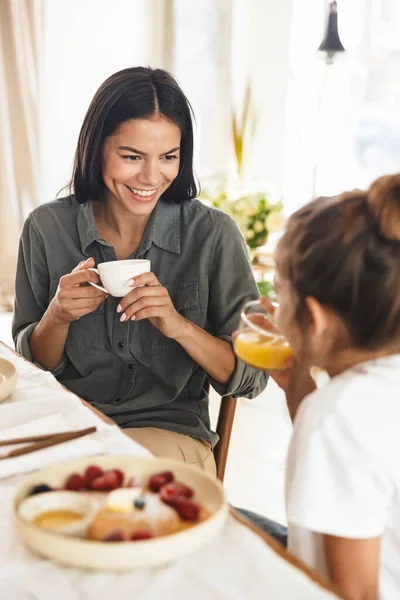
x,y
133,318
130,282
119,308
123,317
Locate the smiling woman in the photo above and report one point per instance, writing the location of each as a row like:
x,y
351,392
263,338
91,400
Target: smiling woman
x,y
143,359
135,178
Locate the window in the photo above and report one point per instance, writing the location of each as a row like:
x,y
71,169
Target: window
x,y
343,126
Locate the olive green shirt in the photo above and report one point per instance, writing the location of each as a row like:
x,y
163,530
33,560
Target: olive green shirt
x,y
130,370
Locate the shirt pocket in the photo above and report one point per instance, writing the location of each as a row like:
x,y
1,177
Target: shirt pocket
x,y
185,298
88,331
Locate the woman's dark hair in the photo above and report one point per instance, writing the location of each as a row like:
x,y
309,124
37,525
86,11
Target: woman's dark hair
x,y
135,93
345,252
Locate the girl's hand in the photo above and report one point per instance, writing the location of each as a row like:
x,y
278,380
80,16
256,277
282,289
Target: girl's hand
x,y
74,299
295,380
152,302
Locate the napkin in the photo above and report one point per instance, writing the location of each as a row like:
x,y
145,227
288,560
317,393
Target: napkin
x,y
107,440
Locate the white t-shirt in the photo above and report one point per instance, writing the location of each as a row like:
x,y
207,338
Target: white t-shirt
x,y
343,467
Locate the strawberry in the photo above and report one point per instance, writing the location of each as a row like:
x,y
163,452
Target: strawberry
x,y
141,535
181,489
106,482
115,536
156,482
171,492
120,476
186,509
75,482
159,479
91,472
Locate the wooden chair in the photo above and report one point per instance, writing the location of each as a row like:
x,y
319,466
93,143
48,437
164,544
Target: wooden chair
x,y
224,430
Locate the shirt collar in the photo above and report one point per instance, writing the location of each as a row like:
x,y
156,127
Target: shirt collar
x,y
163,229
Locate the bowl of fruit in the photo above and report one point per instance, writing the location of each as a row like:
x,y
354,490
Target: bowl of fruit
x,y
118,512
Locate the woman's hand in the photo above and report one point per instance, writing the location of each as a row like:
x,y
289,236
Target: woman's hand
x,y
151,302
73,298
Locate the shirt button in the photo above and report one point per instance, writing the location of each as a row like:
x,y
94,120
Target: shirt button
x,y
121,345
131,366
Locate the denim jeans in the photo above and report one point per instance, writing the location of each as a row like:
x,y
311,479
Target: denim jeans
x,y
275,530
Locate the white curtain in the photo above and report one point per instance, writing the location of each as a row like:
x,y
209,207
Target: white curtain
x,y
21,29
160,33
222,49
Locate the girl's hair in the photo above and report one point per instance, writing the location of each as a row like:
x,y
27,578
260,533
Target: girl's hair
x,y
135,93
345,252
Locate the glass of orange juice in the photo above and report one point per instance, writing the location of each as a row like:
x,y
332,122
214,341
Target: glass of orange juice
x,y
258,342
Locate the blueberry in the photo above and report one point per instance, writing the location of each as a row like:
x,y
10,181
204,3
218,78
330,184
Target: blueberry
x,y
40,489
139,503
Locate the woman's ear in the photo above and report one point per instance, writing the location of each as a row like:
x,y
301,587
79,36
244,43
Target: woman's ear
x,y
320,316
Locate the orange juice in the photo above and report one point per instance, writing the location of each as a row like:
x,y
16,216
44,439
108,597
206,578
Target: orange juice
x,y
268,352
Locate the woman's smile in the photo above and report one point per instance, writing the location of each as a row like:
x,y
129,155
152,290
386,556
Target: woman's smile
x,y
142,195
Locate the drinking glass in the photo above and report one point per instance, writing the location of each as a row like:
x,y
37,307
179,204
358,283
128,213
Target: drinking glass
x,y
258,341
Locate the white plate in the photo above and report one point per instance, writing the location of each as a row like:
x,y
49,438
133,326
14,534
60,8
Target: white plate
x,y
122,556
8,378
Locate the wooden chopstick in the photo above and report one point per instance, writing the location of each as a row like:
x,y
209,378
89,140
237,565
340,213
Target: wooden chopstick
x,y
31,438
52,441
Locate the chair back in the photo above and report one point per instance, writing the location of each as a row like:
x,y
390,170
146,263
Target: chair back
x,y
224,427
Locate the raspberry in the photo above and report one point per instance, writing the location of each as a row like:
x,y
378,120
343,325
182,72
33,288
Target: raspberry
x,y
159,479
141,535
91,472
106,482
186,509
75,482
115,536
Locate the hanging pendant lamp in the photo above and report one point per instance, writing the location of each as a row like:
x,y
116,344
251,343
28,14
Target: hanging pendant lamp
x,y
331,43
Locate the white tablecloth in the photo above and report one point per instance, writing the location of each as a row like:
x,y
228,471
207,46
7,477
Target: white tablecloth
x,y
236,565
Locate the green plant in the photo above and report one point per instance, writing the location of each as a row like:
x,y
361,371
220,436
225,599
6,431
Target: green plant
x,y
254,214
243,129
266,288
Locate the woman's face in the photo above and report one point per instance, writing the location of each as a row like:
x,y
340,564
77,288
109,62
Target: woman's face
x,y
140,161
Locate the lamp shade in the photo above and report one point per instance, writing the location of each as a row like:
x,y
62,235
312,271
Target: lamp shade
x,y
331,43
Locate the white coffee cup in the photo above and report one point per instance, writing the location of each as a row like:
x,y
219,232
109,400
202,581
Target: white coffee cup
x,y
115,274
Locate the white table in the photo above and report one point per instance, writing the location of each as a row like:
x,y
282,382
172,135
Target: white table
x,y
240,563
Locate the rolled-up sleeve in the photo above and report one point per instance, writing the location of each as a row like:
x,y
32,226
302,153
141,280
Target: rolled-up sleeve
x,y
231,285
31,290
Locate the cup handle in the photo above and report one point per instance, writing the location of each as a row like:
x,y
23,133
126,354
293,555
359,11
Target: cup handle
x,y
95,284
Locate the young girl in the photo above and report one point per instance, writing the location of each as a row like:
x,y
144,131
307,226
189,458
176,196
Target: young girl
x,y
338,283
